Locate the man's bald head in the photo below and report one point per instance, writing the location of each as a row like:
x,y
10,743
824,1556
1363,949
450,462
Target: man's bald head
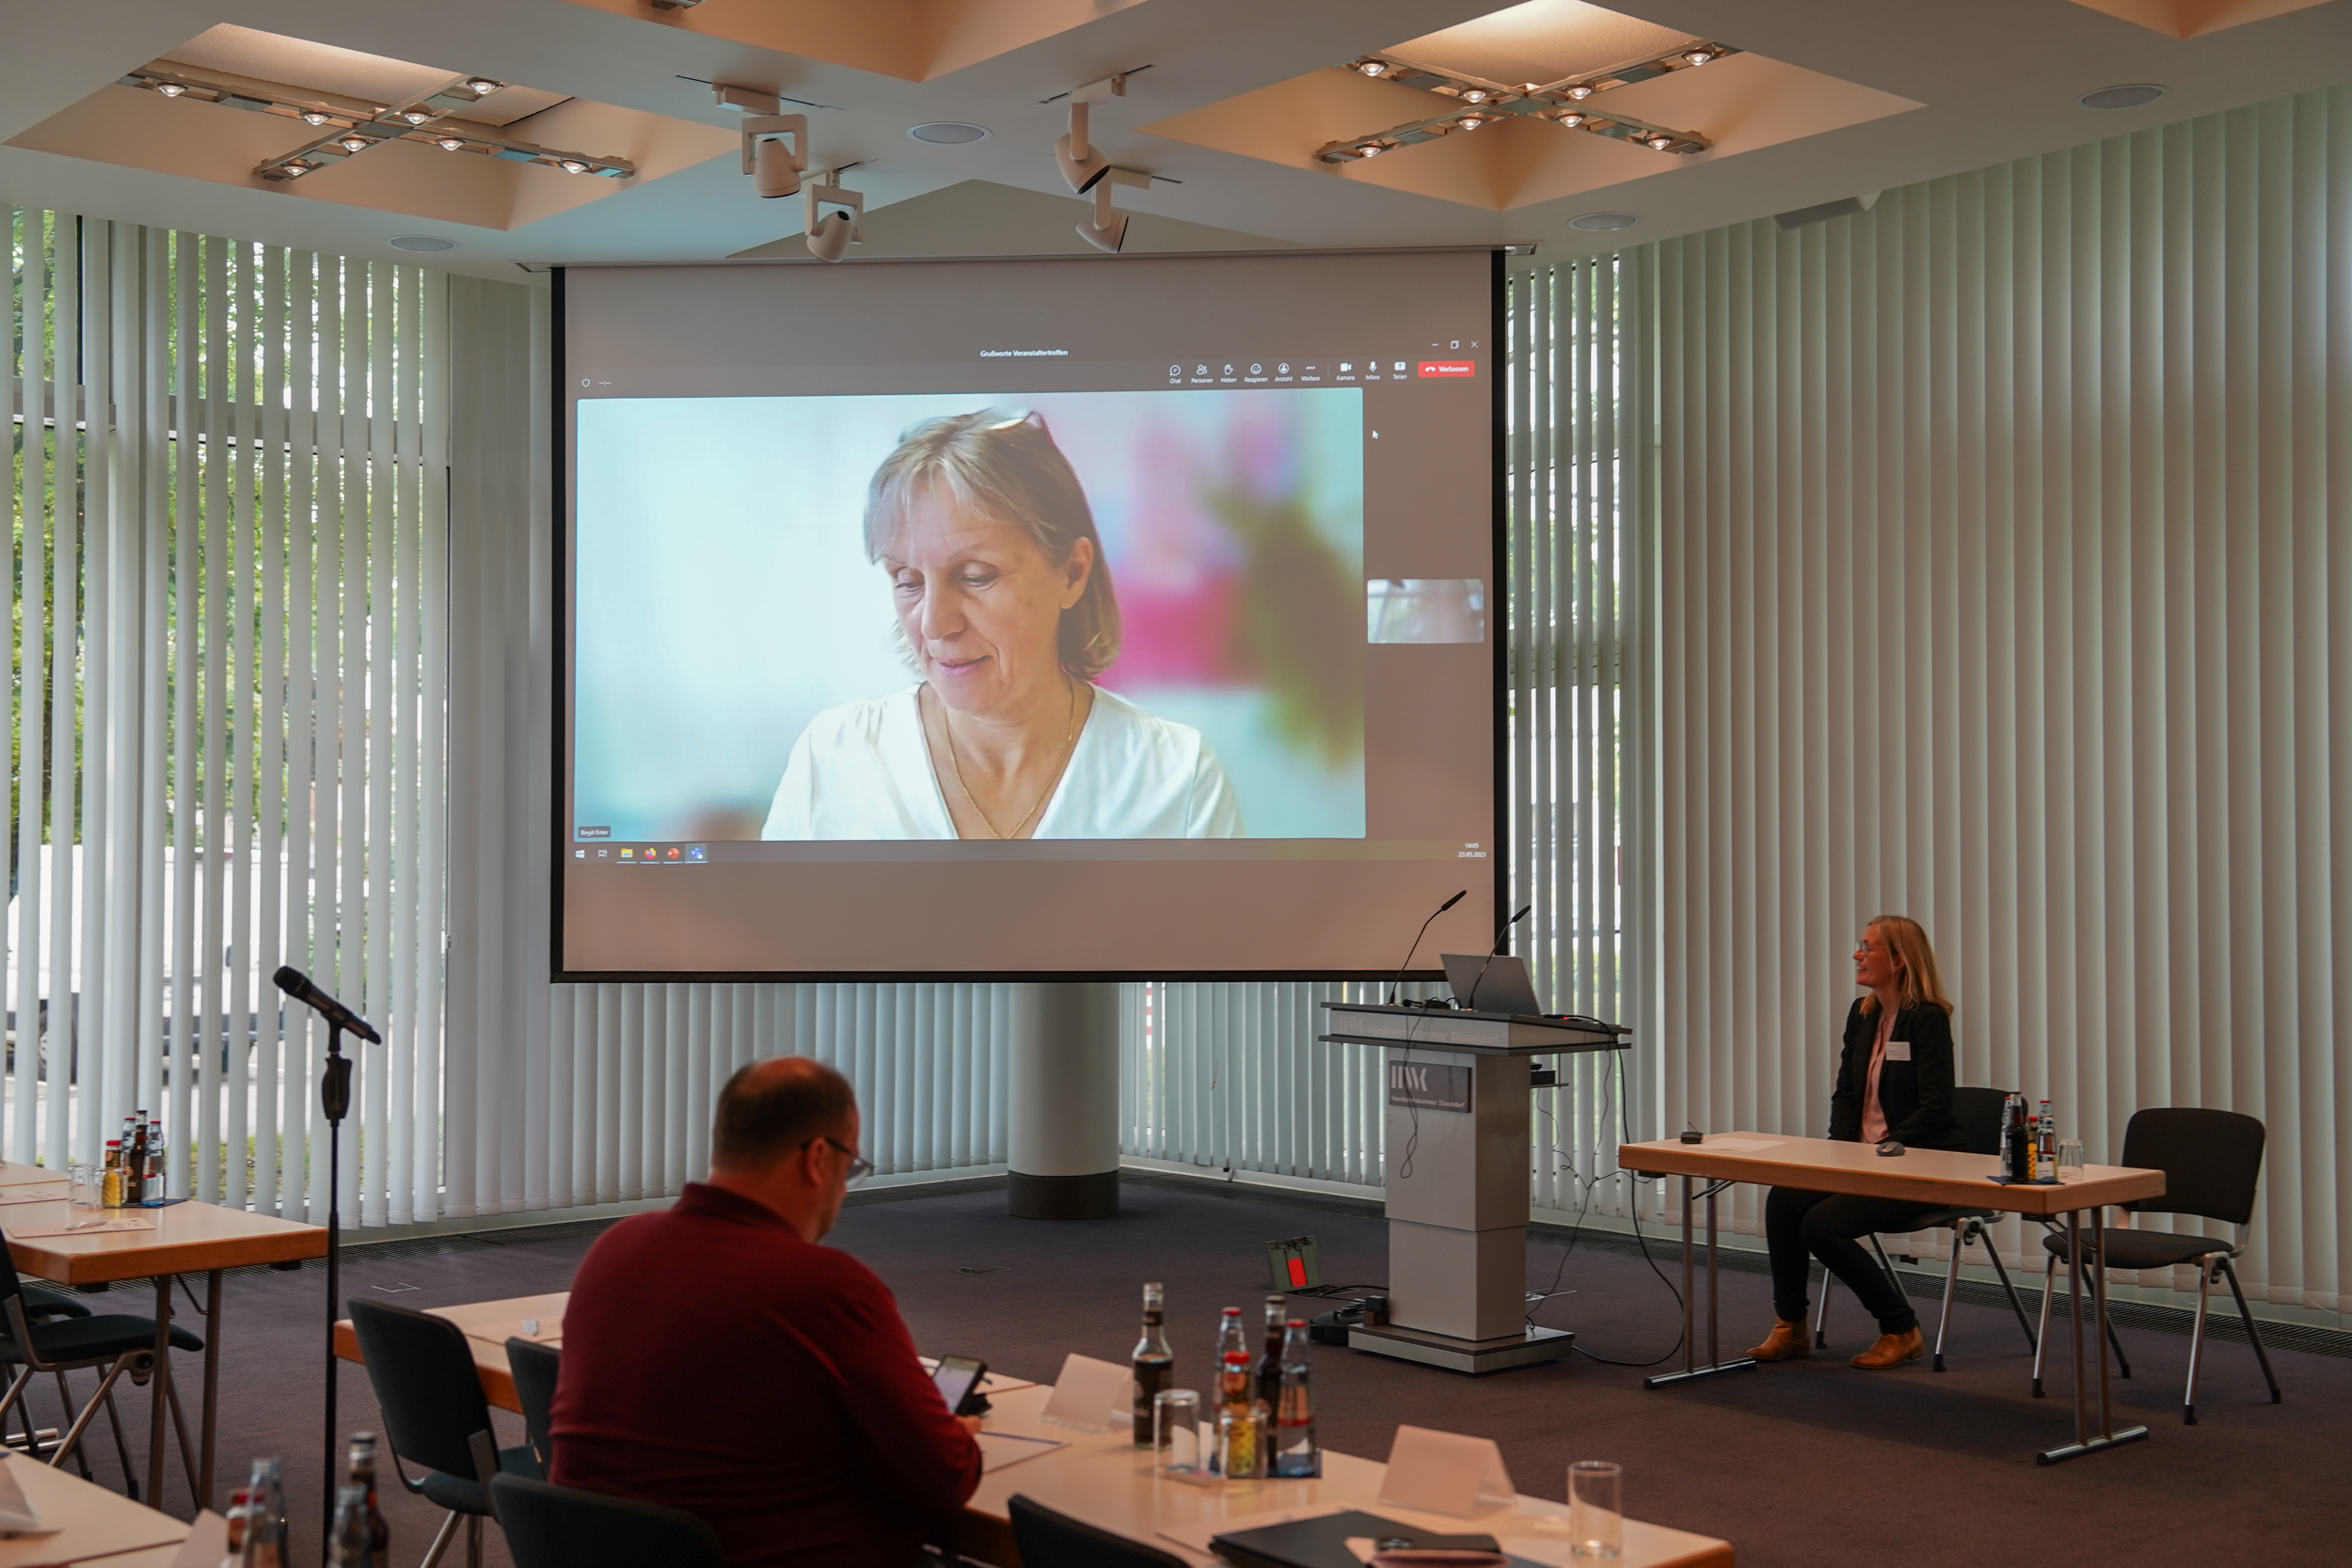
x,y
772,1108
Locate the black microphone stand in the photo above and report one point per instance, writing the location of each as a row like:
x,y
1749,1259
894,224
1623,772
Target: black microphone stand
x,y
335,1100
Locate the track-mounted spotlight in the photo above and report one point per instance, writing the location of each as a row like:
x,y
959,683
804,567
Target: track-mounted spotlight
x,y
1083,164
837,218
1104,228
776,165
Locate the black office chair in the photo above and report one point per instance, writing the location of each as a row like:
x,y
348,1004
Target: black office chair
x,y
1978,1113
1051,1540
118,1343
535,1366
563,1527
2212,1162
434,1416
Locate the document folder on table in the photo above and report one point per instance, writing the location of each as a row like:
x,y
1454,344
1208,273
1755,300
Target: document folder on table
x,y
1322,1542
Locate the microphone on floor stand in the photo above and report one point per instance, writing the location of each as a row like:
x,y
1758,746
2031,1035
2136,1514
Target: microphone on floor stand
x,y
1501,935
1399,981
335,1101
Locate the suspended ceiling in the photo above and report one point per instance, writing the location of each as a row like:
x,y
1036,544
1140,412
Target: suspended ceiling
x,y
1227,105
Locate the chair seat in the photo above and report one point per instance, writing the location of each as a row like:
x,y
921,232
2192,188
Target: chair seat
x,y
2140,1249
462,1495
82,1339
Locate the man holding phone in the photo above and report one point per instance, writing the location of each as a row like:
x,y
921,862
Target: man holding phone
x,y
786,1403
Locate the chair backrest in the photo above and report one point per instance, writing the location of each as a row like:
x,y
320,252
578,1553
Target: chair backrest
x,y
423,1375
562,1527
536,1367
1978,1113
1051,1540
2212,1161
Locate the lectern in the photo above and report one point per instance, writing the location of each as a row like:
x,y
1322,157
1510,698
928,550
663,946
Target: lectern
x,y
1458,1136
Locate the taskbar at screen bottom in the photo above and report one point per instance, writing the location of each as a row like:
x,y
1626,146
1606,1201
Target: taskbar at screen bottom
x,y
601,854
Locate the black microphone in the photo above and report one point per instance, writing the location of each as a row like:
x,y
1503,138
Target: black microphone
x,y
297,985
1416,947
1502,935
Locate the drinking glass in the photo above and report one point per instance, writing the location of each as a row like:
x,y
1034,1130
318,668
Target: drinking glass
x,y
1176,1432
82,1189
1595,1507
2070,1160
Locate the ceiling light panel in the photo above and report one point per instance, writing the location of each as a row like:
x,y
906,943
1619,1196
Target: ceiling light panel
x,y
1563,103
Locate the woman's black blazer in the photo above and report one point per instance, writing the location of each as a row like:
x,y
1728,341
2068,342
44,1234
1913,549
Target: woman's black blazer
x,y
1916,1096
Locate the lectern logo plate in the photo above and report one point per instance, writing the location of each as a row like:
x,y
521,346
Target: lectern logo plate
x,y
1429,1086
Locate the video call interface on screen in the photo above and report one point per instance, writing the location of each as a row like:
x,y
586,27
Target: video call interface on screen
x,y
1227,525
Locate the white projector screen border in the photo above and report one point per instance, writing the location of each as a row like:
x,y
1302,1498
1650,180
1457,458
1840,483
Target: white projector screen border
x,y
1470,926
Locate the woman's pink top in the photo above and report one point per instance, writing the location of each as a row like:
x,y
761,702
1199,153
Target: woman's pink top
x,y
1873,1119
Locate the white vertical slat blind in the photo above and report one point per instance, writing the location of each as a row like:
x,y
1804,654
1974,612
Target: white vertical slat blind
x,y
210,729
2001,531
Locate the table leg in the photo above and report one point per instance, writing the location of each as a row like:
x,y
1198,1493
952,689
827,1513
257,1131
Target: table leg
x,y
2085,1441
159,1391
211,1387
1715,1363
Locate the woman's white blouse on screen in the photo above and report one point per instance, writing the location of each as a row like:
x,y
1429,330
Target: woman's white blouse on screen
x,y
861,770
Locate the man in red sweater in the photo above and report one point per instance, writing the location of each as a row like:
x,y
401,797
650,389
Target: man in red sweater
x,y
717,1359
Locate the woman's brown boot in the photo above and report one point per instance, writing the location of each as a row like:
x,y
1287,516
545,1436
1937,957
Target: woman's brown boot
x,y
1787,1341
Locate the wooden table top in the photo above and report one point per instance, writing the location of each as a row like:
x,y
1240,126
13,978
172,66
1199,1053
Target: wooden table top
x,y
1936,1176
93,1522
1105,1480
188,1238
13,1174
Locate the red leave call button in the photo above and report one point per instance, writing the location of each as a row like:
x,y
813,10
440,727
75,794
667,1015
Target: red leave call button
x,y
1448,367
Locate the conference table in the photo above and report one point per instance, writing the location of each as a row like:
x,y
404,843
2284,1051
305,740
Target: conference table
x,y
86,1524
1941,1177
186,1238
1102,1479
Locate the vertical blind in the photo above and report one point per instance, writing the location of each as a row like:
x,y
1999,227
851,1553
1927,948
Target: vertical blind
x,y
2001,559
225,738
1230,1076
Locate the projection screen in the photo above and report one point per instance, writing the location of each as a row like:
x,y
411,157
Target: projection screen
x,y
1066,618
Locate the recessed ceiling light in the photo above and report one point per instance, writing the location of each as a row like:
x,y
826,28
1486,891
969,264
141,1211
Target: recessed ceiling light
x,y
573,166
483,84
947,133
1661,143
2131,95
1369,150
1602,223
295,171
355,144
422,241
1476,95
314,117
171,89
1372,68
452,144
1699,57
1470,122
416,116
1572,118
1580,91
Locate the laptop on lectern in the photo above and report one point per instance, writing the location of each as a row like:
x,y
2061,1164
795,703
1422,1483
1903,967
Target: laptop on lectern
x,y
1504,988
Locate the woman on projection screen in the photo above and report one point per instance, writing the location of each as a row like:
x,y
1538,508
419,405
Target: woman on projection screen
x,y
1006,614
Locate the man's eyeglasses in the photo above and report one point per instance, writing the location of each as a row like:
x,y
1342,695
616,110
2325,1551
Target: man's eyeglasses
x,y
860,1166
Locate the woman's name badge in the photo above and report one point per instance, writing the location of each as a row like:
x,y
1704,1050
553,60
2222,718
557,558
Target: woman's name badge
x,y
1898,1051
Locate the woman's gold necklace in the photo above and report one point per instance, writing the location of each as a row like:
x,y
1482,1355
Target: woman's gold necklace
x,y
956,764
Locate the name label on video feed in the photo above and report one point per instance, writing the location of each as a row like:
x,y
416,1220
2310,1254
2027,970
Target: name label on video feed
x,y
1429,1086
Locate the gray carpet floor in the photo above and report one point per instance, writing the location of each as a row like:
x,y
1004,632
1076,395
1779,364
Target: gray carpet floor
x,y
1803,1464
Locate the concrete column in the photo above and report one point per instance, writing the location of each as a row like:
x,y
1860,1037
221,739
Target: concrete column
x,y
1064,1114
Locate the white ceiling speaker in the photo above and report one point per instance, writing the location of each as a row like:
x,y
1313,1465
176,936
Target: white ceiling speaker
x,y
1602,223
2130,95
1082,164
1104,228
836,218
775,168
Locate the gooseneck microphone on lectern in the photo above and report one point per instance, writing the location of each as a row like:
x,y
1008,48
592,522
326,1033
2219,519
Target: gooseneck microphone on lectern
x,y
1394,984
297,985
1502,934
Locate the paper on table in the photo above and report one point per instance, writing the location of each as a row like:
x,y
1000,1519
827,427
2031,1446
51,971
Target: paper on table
x,y
550,1332
16,1514
1742,1145
1089,1394
206,1545
21,1194
78,1227
1444,1472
